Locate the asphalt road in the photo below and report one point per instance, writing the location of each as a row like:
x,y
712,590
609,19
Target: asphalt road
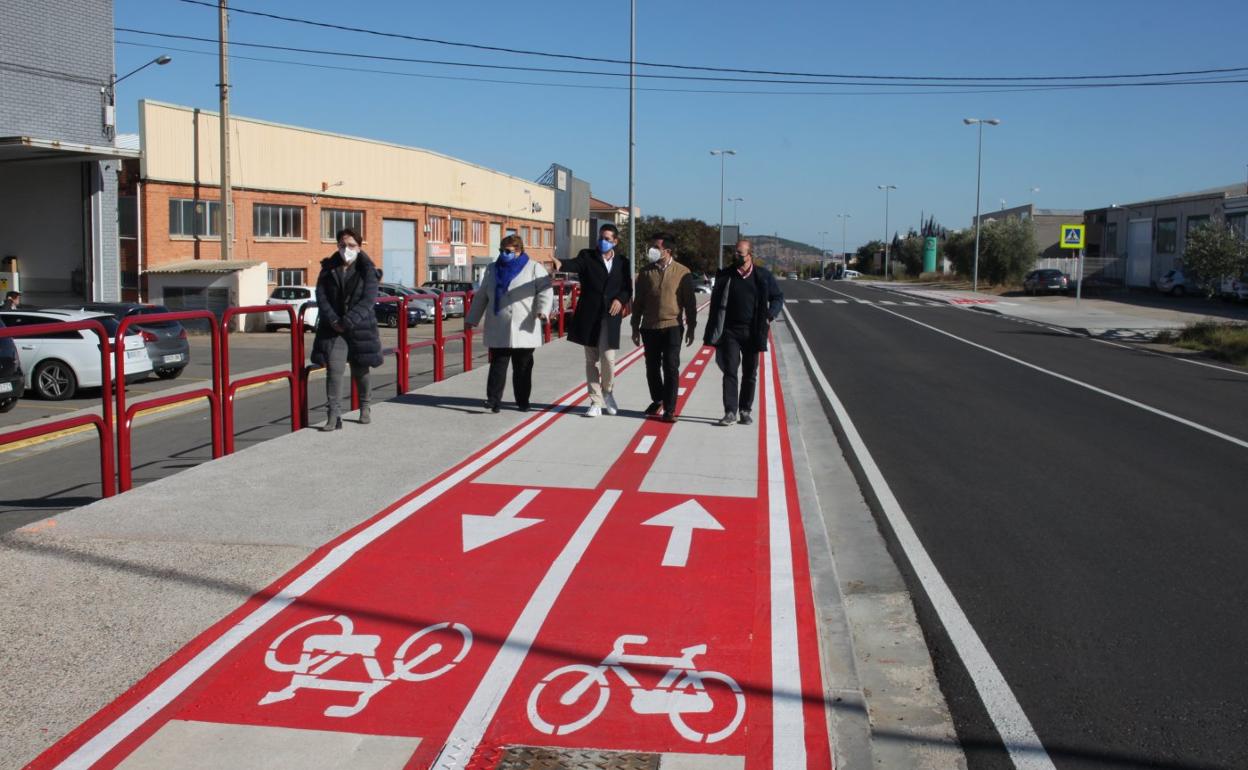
x,y
43,480
248,352
1096,547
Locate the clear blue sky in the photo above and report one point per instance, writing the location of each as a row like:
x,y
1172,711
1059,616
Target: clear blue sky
x,y
802,158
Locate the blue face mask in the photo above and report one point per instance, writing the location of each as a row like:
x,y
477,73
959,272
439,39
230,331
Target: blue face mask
x,y
604,245
507,256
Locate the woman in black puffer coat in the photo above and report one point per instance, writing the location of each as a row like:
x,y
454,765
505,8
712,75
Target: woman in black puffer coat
x,y
346,328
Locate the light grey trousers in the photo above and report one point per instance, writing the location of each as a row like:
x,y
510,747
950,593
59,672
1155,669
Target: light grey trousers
x,y
335,383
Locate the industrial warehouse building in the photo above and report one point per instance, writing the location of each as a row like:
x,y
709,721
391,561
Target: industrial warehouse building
x,y
422,215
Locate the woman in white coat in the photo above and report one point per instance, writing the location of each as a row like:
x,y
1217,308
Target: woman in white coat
x,y
514,300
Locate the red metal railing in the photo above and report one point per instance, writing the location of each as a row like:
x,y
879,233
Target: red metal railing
x,y
103,423
565,304
439,351
126,415
229,388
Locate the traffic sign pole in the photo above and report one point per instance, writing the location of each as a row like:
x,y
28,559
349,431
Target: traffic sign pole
x,y
1073,238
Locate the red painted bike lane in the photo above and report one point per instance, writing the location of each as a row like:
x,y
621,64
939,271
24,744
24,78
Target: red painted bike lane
x,y
504,615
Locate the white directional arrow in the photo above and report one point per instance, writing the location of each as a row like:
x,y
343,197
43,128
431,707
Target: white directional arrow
x,y
683,519
480,530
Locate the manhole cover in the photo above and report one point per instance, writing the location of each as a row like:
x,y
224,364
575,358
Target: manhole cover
x,y
538,758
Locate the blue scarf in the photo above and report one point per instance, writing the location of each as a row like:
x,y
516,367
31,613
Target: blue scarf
x,y
505,271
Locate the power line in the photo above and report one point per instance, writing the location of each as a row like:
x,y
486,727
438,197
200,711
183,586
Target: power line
x,y
589,86
986,87
703,68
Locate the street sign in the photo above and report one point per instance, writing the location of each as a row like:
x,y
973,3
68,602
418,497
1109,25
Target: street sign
x,y
1072,237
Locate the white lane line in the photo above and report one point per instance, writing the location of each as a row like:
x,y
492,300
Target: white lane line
x,y
841,301
792,301
936,304
1180,359
815,301
1087,385
912,304
163,694
887,302
860,301
1007,715
481,708
643,447
788,739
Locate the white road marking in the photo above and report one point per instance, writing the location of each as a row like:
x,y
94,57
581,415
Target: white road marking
x,y
683,520
691,375
680,391
887,302
841,301
483,705
163,694
481,530
912,304
860,301
815,301
792,301
788,738
1007,715
1102,391
1180,359
644,446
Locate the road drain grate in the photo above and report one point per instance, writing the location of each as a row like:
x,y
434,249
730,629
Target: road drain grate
x,y
538,758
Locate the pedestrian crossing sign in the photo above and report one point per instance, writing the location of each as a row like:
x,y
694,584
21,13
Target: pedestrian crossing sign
x,y
1072,237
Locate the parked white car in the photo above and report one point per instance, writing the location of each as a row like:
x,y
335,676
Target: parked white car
x,y
297,296
851,274
1234,288
59,364
1175,283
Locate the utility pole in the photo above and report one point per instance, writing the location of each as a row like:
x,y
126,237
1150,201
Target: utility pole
x,y
227,192
632,127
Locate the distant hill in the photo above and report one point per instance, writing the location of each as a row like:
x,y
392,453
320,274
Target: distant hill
x,y
782,252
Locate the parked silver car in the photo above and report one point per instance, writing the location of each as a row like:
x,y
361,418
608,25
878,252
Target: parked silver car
x,y
166,341
1047,280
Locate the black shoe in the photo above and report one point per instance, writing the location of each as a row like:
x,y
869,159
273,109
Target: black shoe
x,y
745,419
729,418
522,407
333,423
669,417
496,408
654,408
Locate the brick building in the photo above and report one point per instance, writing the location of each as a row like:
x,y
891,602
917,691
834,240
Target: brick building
x,y
421,215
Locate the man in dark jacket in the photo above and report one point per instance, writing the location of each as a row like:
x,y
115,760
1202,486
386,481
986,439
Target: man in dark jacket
x,y
346,327
745,300
606,289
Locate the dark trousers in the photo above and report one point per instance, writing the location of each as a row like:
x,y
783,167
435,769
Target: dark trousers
x,y
736,351
663,364
521,360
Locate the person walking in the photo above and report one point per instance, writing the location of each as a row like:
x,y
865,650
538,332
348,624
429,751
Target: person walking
x,y
606,289
514,300
744,302
665,308
346,329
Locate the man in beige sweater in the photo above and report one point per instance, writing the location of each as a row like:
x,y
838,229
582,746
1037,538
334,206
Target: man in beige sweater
x,y
665,308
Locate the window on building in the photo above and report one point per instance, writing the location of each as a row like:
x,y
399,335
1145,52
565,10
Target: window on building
x,y
194,219
478,233
1110,247
457,230
289,276
127,216
524,235
511,231
333,220
437,229
1196,222
270,221
1167,235
1238,223
548,238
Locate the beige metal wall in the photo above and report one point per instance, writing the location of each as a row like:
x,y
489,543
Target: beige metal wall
x,y
182,144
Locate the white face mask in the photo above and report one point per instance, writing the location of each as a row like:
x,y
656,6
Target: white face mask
x,y
349,254
654,255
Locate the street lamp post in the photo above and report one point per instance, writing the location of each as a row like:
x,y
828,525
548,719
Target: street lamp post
x,y
844,256
979,175
161,61
721,154
823,250
886,188
734,202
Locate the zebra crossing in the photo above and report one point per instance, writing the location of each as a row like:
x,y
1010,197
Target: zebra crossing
x,y
838,301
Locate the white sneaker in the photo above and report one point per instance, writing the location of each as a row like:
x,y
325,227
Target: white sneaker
x,y
593,411
609,400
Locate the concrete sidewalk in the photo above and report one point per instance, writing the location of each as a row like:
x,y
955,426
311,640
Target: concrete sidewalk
x,y
101,595
1103,318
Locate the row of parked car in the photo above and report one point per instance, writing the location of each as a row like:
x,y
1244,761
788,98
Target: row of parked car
x,y
421,304
1177,283
56,364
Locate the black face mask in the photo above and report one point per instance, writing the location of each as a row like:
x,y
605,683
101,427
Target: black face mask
x,y
738,261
